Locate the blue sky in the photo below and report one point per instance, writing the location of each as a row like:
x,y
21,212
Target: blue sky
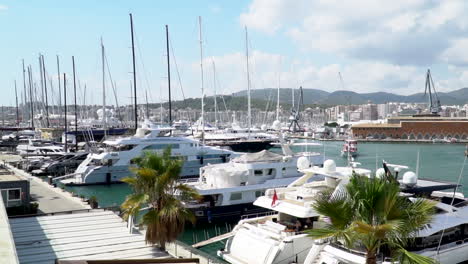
x,y
376,47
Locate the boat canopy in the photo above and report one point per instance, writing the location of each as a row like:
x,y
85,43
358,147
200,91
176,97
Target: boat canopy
x,y
264,155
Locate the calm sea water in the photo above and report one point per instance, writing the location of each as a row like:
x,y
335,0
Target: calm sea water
x,y
436,161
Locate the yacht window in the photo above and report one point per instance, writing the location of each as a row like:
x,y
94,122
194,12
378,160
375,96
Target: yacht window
x,y
258,172
284,171
126,147
236,196
259,193
162,146
271,172
96,162
14,194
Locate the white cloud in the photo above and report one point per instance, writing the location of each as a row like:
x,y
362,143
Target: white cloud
x,y
408,32
457,53
363,77
3,7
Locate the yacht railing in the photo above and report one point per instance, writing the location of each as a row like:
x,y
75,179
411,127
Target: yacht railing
x,y
188,180
256,215
72,175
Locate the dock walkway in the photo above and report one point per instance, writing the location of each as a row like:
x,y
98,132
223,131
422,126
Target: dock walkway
x,y
50,199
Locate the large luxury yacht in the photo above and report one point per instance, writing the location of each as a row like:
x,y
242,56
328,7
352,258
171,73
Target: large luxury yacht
x,y
113,164
278,237
229,189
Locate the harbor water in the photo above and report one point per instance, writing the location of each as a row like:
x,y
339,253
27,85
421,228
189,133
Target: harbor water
x,y
436,161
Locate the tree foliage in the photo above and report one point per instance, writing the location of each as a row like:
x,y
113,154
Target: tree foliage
x,y
155,185
370,214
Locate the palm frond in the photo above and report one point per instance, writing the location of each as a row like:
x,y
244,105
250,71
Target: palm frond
x,y
406,257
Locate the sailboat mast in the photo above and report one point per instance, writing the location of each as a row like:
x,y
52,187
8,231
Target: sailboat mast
x,y
25,92
59,88
278,93
202,80
169,76
17,110
249,110
147,108
31,97
76,106
134,72
214,88
45,92
104,115
65,110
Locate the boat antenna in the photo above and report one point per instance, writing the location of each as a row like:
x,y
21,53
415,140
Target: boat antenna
x,y
169,77
202,85
134,72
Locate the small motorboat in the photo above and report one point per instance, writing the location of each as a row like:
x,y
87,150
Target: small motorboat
x,y
349,148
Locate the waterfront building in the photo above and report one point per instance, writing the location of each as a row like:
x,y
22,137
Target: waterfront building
x,y
14,189
369,112
415,127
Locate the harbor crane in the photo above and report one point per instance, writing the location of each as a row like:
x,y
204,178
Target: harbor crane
x,y
434,102
296,113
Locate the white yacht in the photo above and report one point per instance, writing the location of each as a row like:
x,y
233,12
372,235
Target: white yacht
x,y
278,237
228,190
445,239
113,164
37,147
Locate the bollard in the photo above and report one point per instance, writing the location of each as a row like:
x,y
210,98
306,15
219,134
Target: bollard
x,y
50,179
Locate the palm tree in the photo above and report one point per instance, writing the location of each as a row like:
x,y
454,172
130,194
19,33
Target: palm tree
x,y
155,185
370,214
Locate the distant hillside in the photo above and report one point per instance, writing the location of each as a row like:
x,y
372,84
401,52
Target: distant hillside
x,y
312,97
319,97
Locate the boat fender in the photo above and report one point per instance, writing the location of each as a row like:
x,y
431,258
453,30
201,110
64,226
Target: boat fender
x,y
201,160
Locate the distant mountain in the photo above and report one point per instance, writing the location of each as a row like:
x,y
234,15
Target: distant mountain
x,y
315,96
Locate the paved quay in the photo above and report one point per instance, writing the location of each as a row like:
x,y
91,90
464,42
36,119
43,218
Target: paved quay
x,y
50,199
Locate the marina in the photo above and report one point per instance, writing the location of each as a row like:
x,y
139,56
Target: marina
x,y
252,132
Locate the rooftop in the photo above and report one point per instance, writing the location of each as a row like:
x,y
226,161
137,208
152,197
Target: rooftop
x,y
6,176
429,118
96,235
375,125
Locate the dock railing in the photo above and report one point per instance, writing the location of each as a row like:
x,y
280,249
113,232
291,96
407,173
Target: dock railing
x,y
181,250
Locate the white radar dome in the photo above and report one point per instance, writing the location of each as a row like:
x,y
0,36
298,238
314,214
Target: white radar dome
x,y
303,163
410,178
329,166
276,125
380,173
263,127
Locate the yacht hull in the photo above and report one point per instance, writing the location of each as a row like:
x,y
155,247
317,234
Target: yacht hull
x,y
243,145
114,174
225,213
